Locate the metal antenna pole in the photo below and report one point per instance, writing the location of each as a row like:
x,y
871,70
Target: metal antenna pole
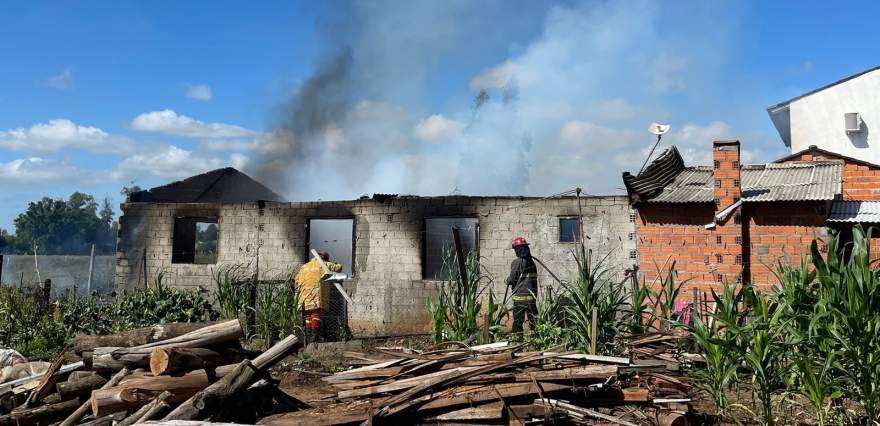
x,y
650,154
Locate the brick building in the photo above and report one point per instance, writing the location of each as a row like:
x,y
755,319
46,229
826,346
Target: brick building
x,y
728,220
389,244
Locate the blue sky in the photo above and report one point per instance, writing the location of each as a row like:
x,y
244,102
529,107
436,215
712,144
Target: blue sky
x,y
94,95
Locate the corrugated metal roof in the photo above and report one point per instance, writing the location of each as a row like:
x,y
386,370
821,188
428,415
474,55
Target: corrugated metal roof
x,y
855,211
651,181
813,181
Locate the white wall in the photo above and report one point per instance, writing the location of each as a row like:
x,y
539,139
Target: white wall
x,y
818,119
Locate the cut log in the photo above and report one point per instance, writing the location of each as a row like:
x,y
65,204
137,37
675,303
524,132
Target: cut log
x,y
102,361
153,406
174,360
79,388
135,391
245,374
111,359
44,413
139,336
75,417
79,375
217,334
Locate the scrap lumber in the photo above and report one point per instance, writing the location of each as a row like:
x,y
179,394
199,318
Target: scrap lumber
x,y
139,336
47,382
8,387
210,400
107,420
490,411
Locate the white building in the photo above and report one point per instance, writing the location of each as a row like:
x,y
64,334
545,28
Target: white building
x,y
839,118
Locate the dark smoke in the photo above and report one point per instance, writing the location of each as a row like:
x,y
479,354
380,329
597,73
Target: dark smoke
x,y
322,101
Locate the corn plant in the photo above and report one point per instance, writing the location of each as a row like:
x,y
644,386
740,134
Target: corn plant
x,y
456,312
642,313
848,315
593,288
721,357
547,331
664,300
818,385
231,289
766,342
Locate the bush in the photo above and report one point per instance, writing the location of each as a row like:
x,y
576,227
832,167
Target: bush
x,y
161,304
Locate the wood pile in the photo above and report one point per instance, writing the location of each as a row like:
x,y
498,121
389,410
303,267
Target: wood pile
x,y
171,373
500,384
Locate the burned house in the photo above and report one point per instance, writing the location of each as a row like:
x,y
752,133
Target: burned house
x,y
726,221
390,245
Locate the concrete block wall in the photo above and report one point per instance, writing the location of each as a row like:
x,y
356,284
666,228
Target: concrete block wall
x,y
387,286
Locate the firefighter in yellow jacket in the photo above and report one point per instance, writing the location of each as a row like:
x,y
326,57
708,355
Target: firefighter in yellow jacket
x,y
313,294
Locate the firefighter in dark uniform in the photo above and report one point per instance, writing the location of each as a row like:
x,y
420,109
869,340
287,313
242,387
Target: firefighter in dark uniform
x,y
524,280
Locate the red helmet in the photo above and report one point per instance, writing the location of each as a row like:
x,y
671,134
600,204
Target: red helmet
x,y
324,255
519,241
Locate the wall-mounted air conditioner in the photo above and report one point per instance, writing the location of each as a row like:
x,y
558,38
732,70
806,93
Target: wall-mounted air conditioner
x,y
853,122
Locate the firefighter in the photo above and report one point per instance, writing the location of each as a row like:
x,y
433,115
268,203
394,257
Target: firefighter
x,y
312,293
524,280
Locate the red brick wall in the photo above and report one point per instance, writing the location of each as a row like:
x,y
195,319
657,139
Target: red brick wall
x,y
768,232
779,232
676,233
860,181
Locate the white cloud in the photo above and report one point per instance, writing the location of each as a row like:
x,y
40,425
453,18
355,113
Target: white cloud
x,y
171,163
496,77
62,81
62,133
437,127
169,122
201,92
35,170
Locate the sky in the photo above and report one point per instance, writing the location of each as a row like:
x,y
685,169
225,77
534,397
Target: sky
x,y
333,100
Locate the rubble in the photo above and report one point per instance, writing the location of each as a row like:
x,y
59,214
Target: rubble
x,y
501,383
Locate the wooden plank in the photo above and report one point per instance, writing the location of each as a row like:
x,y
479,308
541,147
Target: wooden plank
x,y
488,393
401,384
491,411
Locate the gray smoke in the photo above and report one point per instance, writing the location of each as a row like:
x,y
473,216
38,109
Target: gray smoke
x,y
320,102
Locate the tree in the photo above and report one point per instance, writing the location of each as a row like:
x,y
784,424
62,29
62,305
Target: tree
x,y
127,190
57,226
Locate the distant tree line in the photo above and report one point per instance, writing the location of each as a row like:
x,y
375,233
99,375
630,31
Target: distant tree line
x,y
58,226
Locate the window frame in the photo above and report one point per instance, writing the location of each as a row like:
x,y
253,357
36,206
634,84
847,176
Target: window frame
x,y
307,255
577,235
178,257
424,242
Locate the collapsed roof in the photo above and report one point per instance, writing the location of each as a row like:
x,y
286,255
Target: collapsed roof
x,y
668,180
226,185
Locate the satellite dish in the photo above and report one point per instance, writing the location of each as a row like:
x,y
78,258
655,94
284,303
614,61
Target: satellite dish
x,y
658,129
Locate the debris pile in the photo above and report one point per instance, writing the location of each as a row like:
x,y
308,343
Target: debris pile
x,y
500,384
171,373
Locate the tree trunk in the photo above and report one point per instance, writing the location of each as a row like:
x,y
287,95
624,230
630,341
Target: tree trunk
x,y
137,390
140,336
212,398
173,360
79,388
110,359
44,413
